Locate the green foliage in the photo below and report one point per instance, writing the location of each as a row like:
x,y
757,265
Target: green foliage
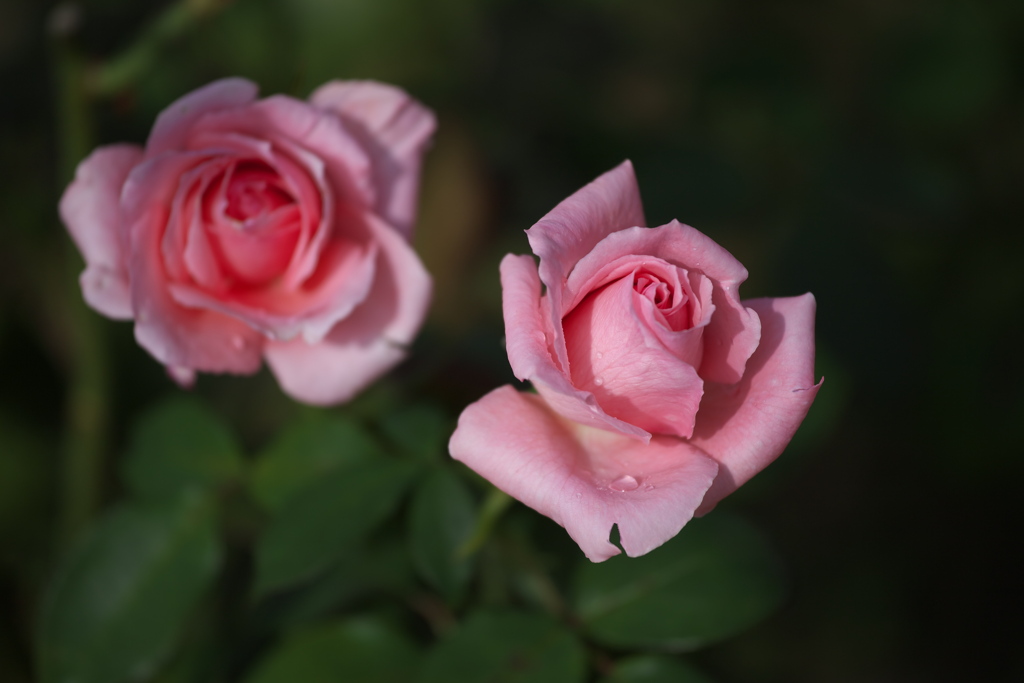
x,y
506,647
124,595
442,517
305,451
713,580
355,650
325,519
180,446
653,669
420,430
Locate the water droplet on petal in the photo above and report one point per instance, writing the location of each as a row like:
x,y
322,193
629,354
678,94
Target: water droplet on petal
x,y
624,483
238,342
649,487
598,381
578,495
599,355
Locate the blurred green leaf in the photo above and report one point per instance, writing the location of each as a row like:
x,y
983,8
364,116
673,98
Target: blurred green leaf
x,y
713,580
506,647
180,445
420,430
358,650
653,669
120,601
441,520
320,523
381,566
305,451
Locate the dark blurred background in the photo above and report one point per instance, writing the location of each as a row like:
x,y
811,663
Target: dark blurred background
x,y
871,152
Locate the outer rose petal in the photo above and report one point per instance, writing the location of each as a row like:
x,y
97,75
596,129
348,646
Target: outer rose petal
x,y
570,473
527,338
366,344
172,125
394,128
570,230
746,426
90,208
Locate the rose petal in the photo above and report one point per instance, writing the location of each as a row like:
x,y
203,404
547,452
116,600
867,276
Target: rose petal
x,y
395,129
90,208
172,125
283,314
747,425
614,354
528,337
202,340
585,479
291,124
570,230
367,343
733,332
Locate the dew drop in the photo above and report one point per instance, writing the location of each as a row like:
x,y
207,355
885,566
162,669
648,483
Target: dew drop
x,y
598,381
649,487
624,483
238,342
578,495
599,355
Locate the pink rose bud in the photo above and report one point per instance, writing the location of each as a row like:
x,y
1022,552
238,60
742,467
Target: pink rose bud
x,y
272,229
659,391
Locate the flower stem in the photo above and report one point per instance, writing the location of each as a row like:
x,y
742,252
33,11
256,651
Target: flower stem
x,y
495,504
87,399
125,69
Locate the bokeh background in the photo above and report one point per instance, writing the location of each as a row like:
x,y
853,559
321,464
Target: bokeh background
x,y
868,151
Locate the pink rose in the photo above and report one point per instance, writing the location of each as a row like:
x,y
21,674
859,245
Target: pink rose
x,y
660,392
269,229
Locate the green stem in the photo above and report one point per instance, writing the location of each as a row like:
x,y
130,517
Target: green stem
x,y
87,399
130,65
495,504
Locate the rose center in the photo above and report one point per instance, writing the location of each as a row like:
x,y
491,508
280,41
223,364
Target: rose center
x,y
253,190
253,221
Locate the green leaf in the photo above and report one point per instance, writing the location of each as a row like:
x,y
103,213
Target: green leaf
x,y
179,445
506,647
382,566
713,580
119,602
359,650
305,451
420,430
318,525
441,520
654,669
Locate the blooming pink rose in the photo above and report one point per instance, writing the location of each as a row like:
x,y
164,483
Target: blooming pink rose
x,y
250,229
660,392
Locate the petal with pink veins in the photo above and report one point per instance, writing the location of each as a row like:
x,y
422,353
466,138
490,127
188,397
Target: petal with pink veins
x,y
395,129
91,210
745,426
585,479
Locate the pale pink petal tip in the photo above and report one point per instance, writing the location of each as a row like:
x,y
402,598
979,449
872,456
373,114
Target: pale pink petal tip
x,y
183,377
